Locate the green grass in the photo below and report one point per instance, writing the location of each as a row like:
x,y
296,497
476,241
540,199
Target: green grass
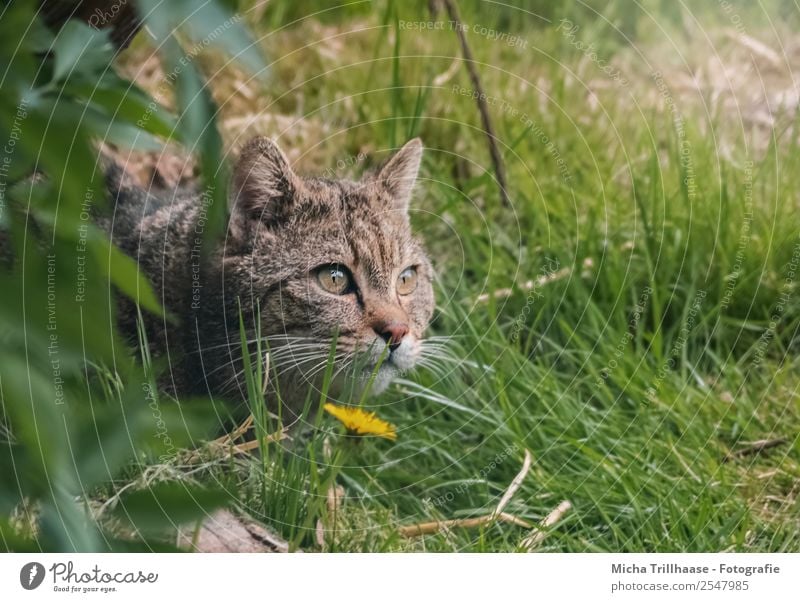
x,y
632,375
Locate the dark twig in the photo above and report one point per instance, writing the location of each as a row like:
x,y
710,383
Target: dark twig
x,y
755,448
483,107
119,17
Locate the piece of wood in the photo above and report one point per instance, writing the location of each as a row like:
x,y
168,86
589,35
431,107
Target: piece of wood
x,y
428,528
756,447
538,534
516,483
225,531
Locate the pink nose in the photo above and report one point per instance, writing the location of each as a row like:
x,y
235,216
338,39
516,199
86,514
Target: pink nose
x,y
392,333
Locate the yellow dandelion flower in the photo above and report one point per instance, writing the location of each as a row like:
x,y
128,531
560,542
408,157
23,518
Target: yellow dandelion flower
x,y
361,422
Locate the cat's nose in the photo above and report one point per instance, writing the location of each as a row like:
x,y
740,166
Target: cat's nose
x,y
392,333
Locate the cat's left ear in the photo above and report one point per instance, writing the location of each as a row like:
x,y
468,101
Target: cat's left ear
x,y
264,183
397,177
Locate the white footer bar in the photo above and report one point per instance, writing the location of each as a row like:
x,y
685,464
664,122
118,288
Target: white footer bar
x,y
399,577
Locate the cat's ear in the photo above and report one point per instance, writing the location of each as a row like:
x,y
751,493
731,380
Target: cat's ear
x,y
264,184
398,175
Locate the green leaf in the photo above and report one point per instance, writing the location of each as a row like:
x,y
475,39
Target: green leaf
x,y
80,49
120,133
167,505
123,101
38,38
205,24
60,146
199,134
124,273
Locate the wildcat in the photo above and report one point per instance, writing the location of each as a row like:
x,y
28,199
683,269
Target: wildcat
x,y
312,259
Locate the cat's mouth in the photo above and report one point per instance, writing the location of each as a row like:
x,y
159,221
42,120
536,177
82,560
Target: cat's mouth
x,y
374,366
383,366
401,358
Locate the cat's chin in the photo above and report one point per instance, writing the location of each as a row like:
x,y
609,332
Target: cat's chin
x,y
375,373
383,378
354,385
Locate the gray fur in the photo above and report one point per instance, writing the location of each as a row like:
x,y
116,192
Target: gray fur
x,y
281,227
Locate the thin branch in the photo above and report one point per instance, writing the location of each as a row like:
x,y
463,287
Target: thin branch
x,y
539,533
483,107
435,526
755,448
515,484
251,445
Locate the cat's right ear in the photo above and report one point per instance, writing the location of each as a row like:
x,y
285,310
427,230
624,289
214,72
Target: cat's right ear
x,y
398,175
264,184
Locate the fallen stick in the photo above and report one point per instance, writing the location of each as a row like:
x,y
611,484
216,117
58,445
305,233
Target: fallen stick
x,y
540,532
516,483
466,523
226,442
250,445
755,448
237,432
428,528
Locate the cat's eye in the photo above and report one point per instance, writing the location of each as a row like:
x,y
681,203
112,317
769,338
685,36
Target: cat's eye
x,y
335,279
407,281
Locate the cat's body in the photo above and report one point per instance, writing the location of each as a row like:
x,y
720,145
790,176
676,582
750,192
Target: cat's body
x,y
319,258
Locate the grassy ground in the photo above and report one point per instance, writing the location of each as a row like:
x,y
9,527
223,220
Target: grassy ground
x,y
653,181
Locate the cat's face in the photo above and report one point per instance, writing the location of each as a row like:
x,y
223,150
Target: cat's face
x,y
332,259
